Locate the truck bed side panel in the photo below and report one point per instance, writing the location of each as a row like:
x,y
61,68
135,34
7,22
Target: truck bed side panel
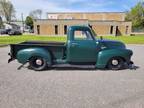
x,y
57,50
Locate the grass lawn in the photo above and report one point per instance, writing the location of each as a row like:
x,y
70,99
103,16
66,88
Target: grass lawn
x,y
128,39
17,39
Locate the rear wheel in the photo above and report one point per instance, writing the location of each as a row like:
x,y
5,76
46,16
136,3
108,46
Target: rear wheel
x,y
37,63
115,63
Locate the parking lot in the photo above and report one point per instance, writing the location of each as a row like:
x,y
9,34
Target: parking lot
x,y
72,87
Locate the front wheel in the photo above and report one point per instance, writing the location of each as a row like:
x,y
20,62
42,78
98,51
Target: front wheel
x,y
115,63
37,63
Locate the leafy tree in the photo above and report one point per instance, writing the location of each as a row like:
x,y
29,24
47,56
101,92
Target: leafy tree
x,y
136,15
1,22
7,9
29,21
36,14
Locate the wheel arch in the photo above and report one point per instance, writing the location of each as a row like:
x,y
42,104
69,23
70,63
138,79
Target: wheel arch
x,y
25,55
105,55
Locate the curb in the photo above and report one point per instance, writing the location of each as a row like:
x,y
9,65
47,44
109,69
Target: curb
x,y
4,45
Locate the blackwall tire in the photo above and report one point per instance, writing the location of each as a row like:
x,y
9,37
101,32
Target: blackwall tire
x,y
37,63
116,63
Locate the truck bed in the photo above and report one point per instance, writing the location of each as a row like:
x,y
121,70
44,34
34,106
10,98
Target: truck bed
x,y
43,43
57,49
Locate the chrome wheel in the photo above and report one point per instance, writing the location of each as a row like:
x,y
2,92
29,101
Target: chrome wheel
x,y
115,63
37,63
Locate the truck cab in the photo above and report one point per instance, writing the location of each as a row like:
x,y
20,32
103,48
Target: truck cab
x,y
81,47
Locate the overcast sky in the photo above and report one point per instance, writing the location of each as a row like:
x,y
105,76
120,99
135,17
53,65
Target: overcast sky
x,y
25,6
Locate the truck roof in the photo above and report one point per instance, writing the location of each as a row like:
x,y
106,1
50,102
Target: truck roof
x,y
74,27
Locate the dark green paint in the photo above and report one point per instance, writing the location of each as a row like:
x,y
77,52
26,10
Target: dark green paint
x,y
24,55
79,51
105,55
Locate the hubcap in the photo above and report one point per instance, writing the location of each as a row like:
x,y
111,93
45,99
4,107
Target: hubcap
x,y
115,62
39,62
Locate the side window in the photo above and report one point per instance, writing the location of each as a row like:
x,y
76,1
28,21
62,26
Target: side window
x,y
82,35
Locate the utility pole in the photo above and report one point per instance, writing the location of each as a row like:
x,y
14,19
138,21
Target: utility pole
x,y
22,22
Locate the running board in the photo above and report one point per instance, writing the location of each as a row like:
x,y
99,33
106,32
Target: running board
x,y
60,61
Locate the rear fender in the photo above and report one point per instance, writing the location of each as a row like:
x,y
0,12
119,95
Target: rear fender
x,y
24,55
105,55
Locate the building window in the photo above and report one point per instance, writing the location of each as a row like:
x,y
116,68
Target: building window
x,y
56,29
38,29
117,31
65,29
111,30
127,27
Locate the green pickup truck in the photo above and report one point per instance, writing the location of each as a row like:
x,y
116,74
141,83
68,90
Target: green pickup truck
x,y
81,48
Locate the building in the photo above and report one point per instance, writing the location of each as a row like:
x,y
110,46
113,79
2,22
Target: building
x,y
103,23
11,26
22,26
18,25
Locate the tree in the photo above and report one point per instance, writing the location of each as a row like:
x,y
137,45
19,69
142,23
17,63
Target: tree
x,y
29,22
7,9
1,22
136,15
36,14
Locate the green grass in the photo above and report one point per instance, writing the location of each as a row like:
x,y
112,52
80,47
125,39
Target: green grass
x,y
127,39
17,39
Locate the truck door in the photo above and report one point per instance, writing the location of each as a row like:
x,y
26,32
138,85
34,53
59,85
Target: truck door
x,y
82,48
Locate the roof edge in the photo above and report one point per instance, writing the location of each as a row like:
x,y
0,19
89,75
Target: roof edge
x,y
80,12
79,19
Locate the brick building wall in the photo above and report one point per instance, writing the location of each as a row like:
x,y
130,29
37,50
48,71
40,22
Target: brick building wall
x,y
101,23
105,16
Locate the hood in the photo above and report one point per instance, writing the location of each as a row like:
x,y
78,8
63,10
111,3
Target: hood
x,y
111,44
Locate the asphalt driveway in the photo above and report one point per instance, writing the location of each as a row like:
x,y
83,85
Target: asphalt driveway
x,y
72,87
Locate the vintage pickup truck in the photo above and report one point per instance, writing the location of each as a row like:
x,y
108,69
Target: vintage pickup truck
x,y
81,48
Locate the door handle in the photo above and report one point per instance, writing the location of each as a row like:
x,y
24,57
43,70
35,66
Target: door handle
x,y
74,44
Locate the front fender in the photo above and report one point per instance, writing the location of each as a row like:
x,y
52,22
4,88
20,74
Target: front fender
x,y
25,54
105,55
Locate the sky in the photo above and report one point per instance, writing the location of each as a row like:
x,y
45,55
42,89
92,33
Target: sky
x,y
25,6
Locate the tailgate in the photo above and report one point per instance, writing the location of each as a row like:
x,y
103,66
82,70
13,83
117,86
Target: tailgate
x,y
12,53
